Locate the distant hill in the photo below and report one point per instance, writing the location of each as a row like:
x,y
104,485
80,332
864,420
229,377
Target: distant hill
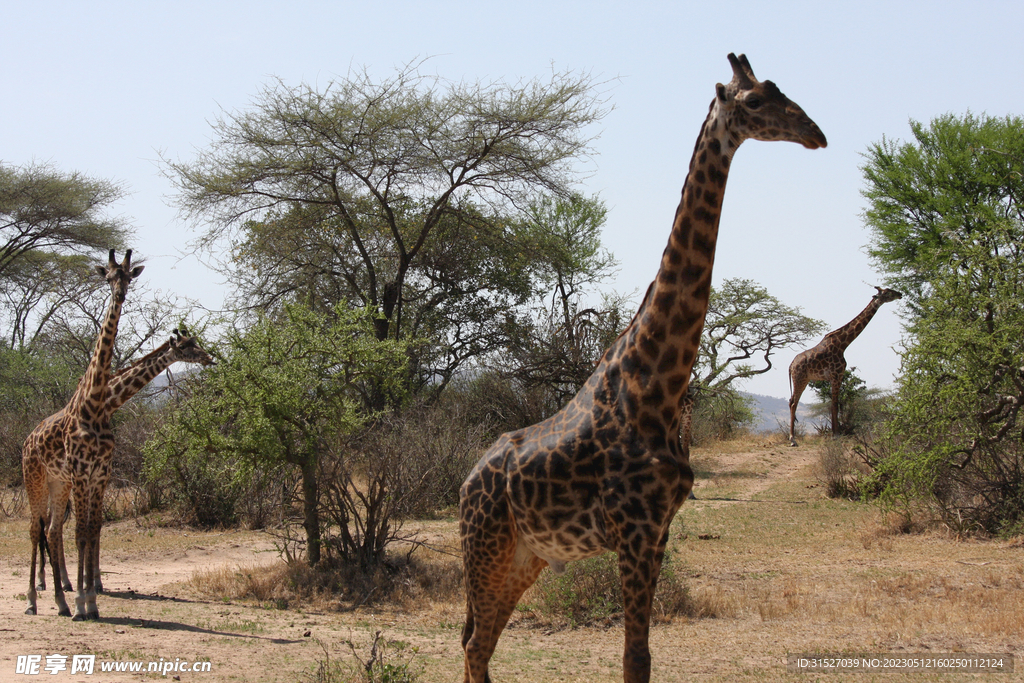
x,y
772,412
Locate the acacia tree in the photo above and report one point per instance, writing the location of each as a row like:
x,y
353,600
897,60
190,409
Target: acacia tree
x,y
744,326
369,171
957,184
947,224
50,223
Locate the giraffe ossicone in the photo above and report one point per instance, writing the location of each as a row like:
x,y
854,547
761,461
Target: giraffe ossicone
x,y
827,360
608,471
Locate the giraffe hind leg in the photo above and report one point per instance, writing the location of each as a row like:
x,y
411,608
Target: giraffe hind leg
x,y
36,534
490,604
496,568
794,402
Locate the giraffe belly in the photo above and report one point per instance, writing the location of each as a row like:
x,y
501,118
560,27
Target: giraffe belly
x,y
558,545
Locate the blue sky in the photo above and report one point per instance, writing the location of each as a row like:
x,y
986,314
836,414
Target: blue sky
x,y
106,88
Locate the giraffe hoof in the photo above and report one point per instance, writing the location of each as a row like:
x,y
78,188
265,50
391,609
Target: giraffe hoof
x,y
68,587
92,616
42,586
65,612
78,616
31,611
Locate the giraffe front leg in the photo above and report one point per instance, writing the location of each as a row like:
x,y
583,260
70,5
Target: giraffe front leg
x,y
639,571
81,542
97,582
91,577
54,540
837,383
84,511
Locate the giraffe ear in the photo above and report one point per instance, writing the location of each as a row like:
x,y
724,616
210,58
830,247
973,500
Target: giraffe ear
x,y
720,90
137,270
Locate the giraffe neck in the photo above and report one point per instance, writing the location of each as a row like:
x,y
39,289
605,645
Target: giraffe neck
x,y
128,382
94,387
845,335
665,333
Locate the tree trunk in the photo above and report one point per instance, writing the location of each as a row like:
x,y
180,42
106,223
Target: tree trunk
x,y
311,513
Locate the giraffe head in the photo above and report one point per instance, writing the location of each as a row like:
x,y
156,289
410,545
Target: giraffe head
x,y
884,296
119,275
187,350
759,110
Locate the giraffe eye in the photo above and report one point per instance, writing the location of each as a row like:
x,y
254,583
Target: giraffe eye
x,y
753,102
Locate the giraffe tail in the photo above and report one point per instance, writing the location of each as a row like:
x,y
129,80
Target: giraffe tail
x,y
42,541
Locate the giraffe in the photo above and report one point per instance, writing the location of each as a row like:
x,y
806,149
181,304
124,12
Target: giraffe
x,y
43,452
608,472
826,361
83,427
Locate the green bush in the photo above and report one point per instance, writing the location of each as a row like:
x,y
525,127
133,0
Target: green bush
x,y
590,591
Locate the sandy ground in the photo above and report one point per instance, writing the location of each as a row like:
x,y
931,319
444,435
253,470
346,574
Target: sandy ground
x,y
787,571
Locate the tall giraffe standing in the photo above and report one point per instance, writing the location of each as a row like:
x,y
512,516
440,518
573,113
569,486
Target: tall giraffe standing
x,y
88,442
607,472
43,460
826,360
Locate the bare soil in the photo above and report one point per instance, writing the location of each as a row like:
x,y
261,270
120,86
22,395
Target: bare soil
x,y
784,570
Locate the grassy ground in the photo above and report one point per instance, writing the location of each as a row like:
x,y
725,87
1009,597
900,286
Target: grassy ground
x,y
781,568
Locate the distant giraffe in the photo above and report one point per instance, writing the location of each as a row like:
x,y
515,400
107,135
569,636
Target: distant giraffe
x,y
84,431
826,360
607,472
44,448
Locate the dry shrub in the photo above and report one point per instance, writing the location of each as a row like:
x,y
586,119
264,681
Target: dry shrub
x,y
13,501
432,448
839,470
386,661
403,582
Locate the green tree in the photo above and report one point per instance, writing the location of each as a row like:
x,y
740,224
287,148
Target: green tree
x,y
366,174
958,184
569,331
947,224
280,396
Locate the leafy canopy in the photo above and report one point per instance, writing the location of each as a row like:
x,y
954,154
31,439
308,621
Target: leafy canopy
x,y
376,166
948,225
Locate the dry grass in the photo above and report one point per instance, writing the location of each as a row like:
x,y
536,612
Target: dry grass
x,y
765,564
